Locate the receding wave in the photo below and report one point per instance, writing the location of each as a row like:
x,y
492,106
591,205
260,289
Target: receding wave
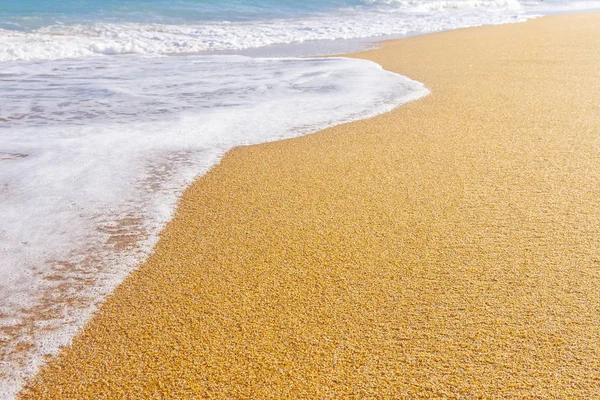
x,y
96,152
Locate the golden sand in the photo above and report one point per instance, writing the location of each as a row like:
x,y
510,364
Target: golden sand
x,y
447,249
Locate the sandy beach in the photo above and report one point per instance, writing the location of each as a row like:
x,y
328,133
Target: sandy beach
x,y
447,249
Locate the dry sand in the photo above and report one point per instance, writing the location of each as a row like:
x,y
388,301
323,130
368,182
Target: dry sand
x,y
449,248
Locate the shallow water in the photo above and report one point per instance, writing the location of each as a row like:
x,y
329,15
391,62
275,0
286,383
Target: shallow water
x,y
96,152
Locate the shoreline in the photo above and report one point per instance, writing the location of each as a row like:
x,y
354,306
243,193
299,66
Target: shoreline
x,y
361,260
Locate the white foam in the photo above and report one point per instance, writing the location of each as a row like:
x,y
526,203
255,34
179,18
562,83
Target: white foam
x,y
435,5
95,153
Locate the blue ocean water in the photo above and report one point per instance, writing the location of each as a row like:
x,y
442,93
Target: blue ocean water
x,y
34,14
110,108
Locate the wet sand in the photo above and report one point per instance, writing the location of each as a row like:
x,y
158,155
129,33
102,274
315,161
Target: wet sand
x,y
447,249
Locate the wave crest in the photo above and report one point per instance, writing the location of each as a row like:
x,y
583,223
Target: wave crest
x,y
437,5
75,41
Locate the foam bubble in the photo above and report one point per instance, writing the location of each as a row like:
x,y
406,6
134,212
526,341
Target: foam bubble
x,y
95,153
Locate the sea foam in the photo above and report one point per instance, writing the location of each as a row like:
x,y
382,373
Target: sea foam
x,y
95,153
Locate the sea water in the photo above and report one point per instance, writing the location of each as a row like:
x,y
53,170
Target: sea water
x,y
109,109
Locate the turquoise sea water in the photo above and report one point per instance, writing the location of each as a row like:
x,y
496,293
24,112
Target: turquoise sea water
x,y
28,14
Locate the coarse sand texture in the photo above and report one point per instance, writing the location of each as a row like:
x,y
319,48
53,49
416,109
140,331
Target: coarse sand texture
x,y
448,249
